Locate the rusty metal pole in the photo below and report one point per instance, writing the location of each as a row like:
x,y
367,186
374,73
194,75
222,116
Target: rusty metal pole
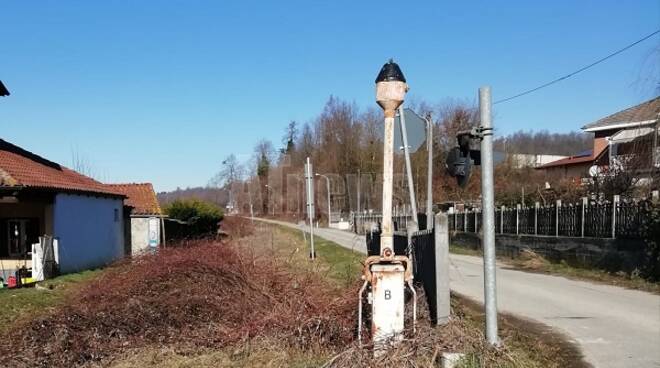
x,y
391,88
387,229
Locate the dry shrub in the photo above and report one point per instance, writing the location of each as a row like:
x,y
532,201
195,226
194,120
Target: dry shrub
x,y
237,227
531,260
207,296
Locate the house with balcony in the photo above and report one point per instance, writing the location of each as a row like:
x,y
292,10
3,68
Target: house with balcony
x,y
625,140
42,199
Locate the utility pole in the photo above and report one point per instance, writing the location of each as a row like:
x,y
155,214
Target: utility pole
x,y
309,180
488,205
429,175
406,152
327,181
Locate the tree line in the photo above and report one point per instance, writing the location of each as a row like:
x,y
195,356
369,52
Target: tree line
x,y
344,143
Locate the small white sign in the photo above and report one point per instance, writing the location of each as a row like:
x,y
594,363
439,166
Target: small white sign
x,y
154,232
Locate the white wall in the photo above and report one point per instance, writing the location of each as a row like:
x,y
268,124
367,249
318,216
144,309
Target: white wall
x,y
89,229
139,235
520,160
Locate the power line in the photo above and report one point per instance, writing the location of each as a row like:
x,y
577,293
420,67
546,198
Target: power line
x,y
579,70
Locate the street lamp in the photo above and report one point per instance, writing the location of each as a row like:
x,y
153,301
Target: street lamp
x,y
391,89
327,181
268,190
388,273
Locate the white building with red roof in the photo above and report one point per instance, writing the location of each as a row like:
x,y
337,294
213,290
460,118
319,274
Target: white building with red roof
x,y
143,217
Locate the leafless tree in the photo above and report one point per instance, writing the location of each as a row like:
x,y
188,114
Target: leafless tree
x,y
81,164
544,142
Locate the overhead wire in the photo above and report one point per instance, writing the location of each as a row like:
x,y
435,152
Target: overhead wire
x,y
579,70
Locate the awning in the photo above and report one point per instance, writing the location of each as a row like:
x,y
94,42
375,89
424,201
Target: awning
x,y
628,135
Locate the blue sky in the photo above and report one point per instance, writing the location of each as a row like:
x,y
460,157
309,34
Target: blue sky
x,y
162,91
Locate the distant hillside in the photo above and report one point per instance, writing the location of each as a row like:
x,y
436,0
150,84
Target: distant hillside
x,y
213,195
544,142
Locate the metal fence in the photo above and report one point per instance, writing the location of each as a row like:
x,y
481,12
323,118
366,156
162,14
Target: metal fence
x,y
400,243
363,223
422,248
619,218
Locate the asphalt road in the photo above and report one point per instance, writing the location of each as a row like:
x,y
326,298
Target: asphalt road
x,y
615,327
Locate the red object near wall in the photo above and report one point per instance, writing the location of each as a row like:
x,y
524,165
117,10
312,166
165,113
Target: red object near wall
x,y
11,282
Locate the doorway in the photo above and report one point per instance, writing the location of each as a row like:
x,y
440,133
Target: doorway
x,y
21,233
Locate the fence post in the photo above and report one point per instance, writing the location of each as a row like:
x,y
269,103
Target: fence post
x,y
502,220
584,206
409,249
442,301
518,219
476,221
465,211
536,218
615,204
557,217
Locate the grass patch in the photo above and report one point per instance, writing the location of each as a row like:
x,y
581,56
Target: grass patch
x,y
533,262
341,266
17,304
261,353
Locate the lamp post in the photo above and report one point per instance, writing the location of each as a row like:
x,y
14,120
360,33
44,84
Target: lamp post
x,y
391,89
327,181
387,273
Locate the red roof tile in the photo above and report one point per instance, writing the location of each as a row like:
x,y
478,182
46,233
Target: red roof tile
x,y
600,144
23,169
140,196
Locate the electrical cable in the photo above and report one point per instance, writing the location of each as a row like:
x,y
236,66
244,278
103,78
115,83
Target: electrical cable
x,y
579,70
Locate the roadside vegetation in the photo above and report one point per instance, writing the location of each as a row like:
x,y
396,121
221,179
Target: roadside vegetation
x,y
252,300
197,218
525,344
